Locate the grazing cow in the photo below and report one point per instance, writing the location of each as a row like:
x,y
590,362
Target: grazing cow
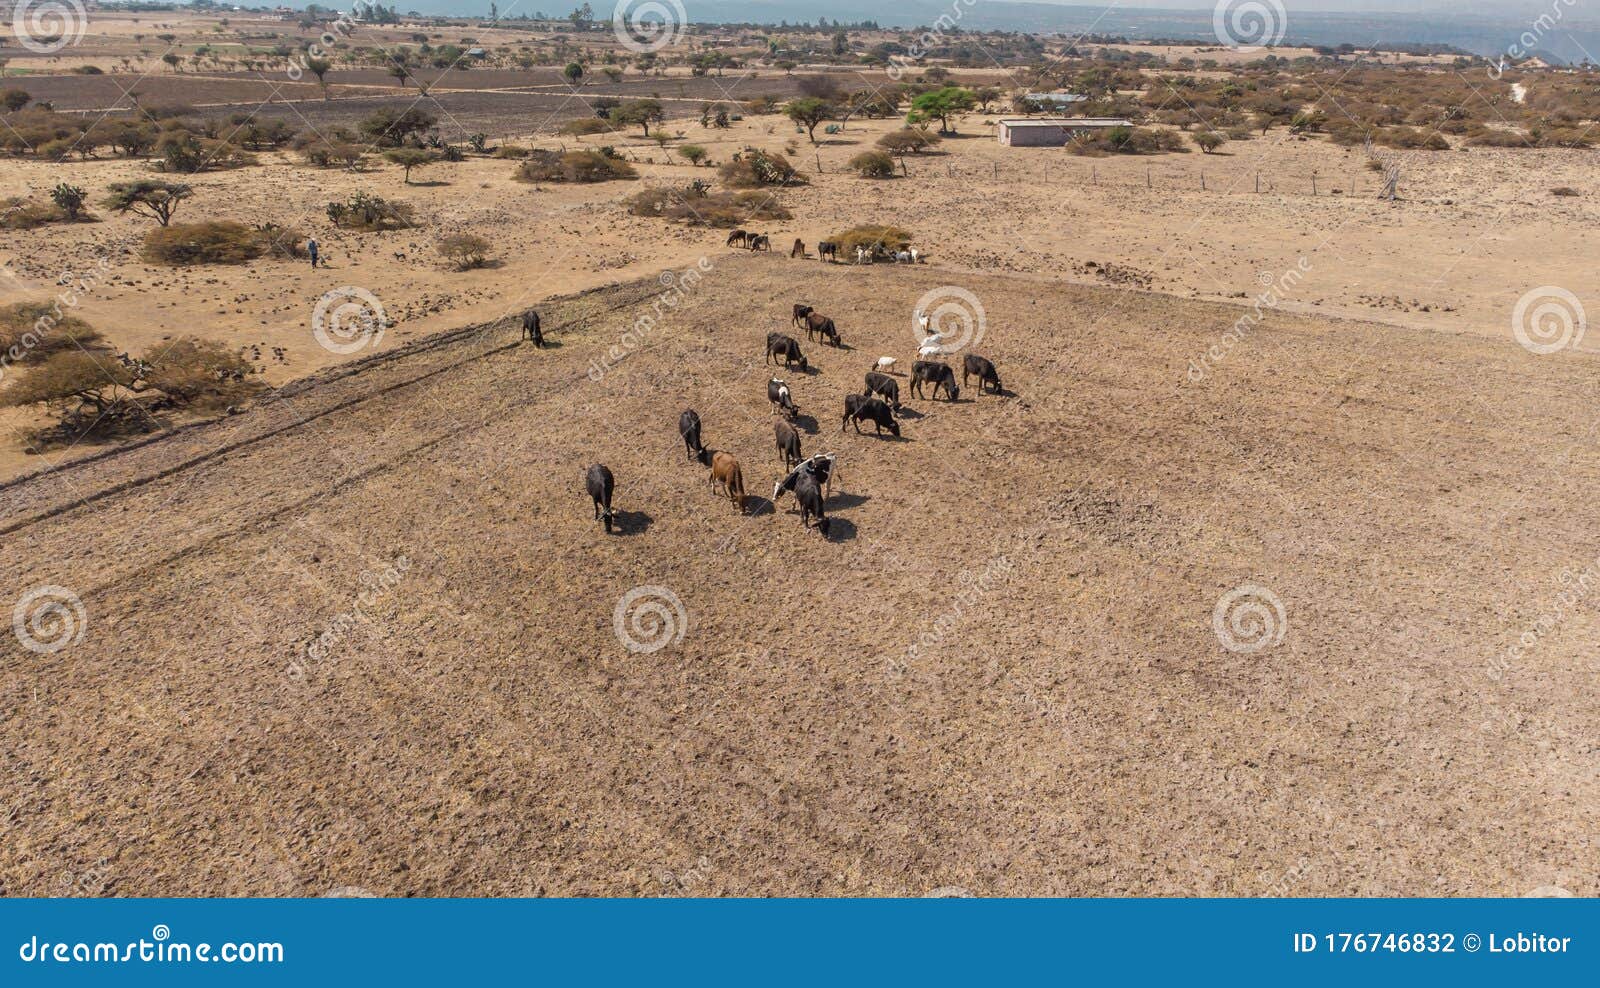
x,y
937,374
530,329
809,493
739,237
778,394
982,369
689,429
787,347
820,466
798,250
858,407
885,365
725,473
788,439
827,250
599,483
885,387
800,313
822,326
760,242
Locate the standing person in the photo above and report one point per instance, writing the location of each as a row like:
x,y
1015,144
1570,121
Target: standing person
x,y
311,248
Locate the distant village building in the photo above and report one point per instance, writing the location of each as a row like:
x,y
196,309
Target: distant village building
x,y
1051,132
1055,100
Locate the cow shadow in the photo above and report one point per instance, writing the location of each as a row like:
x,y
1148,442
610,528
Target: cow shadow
x,y
549,344
907,412
755,506
631,522
842,500
805,423
840,530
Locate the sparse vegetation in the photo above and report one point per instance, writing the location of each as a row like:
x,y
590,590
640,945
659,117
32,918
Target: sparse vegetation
x,y
464,251
754,168
31,331
908,140
410,159
149,197
695,206
876,240
208,242
873,164
370,213
573,166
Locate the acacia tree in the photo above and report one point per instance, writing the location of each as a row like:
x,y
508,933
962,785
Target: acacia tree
x,y
643,112
149,197
319,67
940,105
809,112
409,158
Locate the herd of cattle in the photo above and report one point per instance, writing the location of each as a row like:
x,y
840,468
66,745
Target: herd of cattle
x,y
808,477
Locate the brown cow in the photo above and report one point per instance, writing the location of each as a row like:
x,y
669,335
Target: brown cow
x,y
798,250
725,473
788,438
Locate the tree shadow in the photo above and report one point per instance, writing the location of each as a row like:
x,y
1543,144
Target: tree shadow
x,y
430,184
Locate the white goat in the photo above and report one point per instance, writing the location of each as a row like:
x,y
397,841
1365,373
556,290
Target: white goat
x,y
885,365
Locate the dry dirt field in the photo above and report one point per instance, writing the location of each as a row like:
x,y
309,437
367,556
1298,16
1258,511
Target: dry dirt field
x,y
1000,673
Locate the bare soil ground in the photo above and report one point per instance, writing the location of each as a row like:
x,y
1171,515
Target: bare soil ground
x,y
1000,673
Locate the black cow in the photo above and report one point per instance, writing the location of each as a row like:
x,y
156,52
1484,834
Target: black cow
x,y
788,438
827,251
858,407
787,347
600,484
530,329
819,466
800,313
884,386
982,369
821,325
808,492
689,429
936,373
778,394
739,237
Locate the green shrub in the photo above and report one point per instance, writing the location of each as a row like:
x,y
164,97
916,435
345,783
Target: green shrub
x,y
873,164
573,166
754,168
